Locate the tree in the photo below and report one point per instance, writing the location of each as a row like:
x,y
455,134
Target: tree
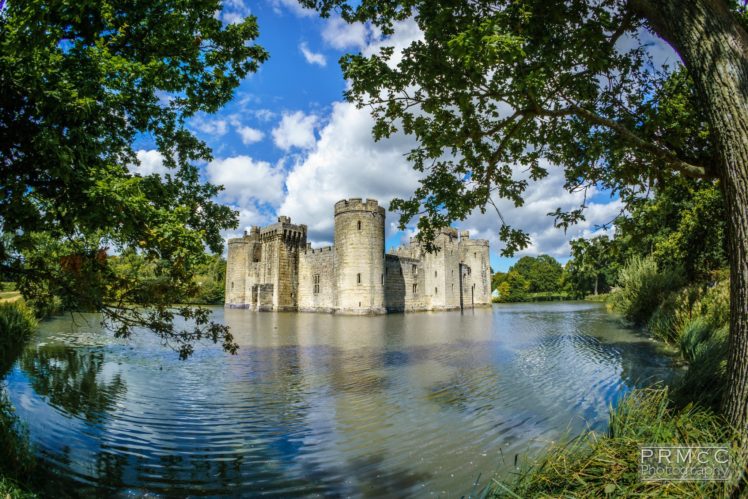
x,y
514,288
80,84
510,82
682,226
543,273
593,265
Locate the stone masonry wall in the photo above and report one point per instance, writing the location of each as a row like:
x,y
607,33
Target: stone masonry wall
x,y
317,280
401,274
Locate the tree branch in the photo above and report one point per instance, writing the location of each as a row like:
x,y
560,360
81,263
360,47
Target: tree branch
x,y
687,169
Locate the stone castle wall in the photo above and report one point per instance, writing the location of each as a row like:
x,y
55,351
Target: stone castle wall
x,y
317,287
273,268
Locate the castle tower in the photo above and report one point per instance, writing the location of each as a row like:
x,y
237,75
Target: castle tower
x,y
236,272
359,256
476,262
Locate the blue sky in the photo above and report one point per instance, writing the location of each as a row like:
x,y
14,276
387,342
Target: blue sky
x,y
288,144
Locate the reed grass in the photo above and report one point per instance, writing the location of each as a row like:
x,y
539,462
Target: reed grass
x,y
595,465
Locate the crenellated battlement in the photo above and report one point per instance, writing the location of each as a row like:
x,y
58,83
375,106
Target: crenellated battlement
x,y
315,251
473,242
357,204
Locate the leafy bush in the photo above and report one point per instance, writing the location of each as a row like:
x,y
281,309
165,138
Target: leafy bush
x,y
715,304
642,287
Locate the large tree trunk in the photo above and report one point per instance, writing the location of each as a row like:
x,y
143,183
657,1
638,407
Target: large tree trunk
x,y
714,49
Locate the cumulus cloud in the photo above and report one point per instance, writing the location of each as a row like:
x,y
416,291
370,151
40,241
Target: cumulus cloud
x,y
264,114
292,6
151,161
247,182
312,57
341,35
233,11
346,162
249,135
295,130
215,127
541,198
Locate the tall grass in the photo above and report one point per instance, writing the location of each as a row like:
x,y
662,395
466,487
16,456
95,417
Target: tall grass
x,y
17,322
595,465
642,287
17,463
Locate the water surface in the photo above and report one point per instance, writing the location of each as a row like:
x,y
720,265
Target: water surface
x,y
403,405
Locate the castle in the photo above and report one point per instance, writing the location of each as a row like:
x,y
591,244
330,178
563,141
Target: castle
x,y
274,268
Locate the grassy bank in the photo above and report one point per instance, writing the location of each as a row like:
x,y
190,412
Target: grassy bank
x,y
693,317
17,464
594,465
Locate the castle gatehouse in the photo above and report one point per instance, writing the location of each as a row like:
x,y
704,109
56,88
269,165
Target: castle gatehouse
x,y
274,268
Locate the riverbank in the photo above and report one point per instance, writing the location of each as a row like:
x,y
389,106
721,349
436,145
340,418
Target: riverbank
x,y
594,465
693,318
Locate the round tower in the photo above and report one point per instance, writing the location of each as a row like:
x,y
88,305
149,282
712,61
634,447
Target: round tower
x,y
359,256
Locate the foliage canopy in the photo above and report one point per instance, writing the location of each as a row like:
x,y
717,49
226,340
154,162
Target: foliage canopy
x,y
80,83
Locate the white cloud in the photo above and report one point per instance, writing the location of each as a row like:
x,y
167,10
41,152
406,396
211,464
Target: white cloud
x,y
312,57
295,130
234,11
541,198
345,163
151,161
292,6
264,114
249,135
341,35
215,127
247,182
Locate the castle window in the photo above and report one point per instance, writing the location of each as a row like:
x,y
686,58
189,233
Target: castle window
x,y
475,255
415,269
358,278
232,285
435,273
382,279
415,289
316,283
436,291
401,271
359,225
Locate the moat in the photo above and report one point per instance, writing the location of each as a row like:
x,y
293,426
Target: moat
x,y
402,404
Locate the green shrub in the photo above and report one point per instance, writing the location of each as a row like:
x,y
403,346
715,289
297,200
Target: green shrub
x,y
715,304
642,287
46,308
594,465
